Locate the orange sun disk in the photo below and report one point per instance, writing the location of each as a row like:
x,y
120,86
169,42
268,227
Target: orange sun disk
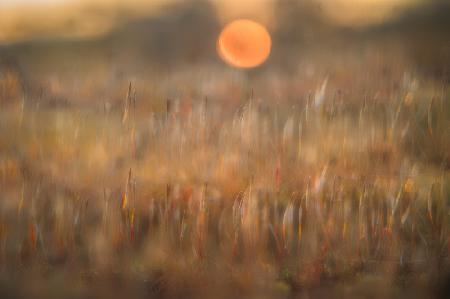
x,y
244,43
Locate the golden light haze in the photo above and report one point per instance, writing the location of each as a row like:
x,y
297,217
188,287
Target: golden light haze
x,y
363,12
24,19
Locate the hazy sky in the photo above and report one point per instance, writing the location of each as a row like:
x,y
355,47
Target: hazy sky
x,y
21,19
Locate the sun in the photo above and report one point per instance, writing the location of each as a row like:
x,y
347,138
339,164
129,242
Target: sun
x,y
244,43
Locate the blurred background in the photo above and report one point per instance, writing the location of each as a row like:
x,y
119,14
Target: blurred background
x,y
63,46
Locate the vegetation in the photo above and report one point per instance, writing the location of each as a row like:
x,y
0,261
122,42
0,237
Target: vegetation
x,y
329,185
